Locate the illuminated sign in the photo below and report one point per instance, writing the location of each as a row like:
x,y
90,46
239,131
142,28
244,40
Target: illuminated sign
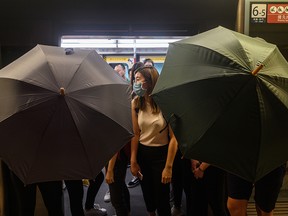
x,y
268,13
277,13
258,13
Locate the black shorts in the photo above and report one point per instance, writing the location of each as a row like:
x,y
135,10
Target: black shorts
x,y
266,189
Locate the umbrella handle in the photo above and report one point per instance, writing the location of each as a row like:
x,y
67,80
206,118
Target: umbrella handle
x,y
256,70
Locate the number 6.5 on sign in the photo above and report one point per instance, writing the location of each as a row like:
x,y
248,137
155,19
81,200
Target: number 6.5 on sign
x,y
258,10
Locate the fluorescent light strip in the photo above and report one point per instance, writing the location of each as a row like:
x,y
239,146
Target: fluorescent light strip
x,y
116,43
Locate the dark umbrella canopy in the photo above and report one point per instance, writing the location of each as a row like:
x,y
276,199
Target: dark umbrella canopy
x,y
226,97
63,114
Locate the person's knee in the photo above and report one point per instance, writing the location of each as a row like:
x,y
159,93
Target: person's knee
x,y
237,207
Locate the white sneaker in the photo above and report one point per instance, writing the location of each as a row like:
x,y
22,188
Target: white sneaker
x,y
96,211
176,211
107,197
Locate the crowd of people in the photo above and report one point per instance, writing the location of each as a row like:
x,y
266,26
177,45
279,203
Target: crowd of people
x,y
157,164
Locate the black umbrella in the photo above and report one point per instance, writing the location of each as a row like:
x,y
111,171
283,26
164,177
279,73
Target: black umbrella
x,y
63,114
226,96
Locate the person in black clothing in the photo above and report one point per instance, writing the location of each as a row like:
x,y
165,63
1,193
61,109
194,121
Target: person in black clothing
x,y
26,196
76,191
115,178
266,191
183,179
201,190
177,185
215,186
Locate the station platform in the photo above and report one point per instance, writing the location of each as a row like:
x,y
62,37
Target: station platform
x,y
138,206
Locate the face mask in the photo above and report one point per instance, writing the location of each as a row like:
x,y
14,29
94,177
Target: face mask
x,y
138,89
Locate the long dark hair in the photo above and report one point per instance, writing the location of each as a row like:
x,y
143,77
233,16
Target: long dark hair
x,y
151,75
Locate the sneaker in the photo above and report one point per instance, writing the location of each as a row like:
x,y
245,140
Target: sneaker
x,y
107,197
176,211
134,182
98,211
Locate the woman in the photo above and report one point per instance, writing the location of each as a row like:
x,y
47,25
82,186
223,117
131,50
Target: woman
x,y
153,146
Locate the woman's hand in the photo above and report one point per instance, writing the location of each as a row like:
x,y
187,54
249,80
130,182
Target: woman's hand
x,y
198,173
194,164
166,175
109,178
135,168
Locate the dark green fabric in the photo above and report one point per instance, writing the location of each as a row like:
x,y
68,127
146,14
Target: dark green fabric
x,y
222,114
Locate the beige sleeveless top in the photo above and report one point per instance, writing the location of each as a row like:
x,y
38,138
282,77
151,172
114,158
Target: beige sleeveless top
x,y
150,126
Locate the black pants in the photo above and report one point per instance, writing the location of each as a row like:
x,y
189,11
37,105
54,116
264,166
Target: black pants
x,y
211,191
26,196
120,196
177,180
215,181
75,191
156,195
196,200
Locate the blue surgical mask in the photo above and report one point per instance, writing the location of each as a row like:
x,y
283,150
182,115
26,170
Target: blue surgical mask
x,y
138,89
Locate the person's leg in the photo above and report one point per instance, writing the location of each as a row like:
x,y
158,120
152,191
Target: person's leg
x,y
216,190
262,213
239,192
146,183
267,190
52,197
177,181
196,201
120,196
126,197
94,186
28,200
164,208
75,191
161,191
237,207
25,195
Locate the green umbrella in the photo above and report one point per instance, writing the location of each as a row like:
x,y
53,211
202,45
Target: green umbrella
x,y
226,96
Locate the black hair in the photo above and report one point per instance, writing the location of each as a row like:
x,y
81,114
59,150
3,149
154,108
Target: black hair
x,y
122,65
148,60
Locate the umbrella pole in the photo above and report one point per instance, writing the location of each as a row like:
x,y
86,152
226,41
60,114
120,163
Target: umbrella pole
x,y
256,70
